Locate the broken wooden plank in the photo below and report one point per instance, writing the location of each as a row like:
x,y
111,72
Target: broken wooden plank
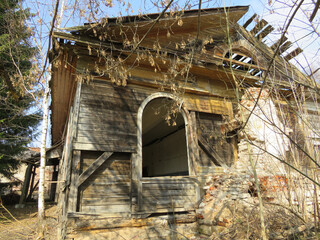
x,y
285,46
278,43
93,167
293,54
265,32
246,24
260,25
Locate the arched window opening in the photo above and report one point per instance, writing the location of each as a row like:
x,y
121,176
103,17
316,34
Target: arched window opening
x,y
164,146
241,61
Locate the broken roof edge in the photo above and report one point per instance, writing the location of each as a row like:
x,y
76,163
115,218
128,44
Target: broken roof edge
x,y
153,16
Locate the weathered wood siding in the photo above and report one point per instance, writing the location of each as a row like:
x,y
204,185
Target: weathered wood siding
x,y
220,151
167,194
108,189
108,118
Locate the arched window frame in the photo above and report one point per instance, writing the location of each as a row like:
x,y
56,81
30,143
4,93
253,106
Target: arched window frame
x,y
137,165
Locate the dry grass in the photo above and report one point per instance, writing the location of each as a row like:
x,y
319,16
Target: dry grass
x,y
18,224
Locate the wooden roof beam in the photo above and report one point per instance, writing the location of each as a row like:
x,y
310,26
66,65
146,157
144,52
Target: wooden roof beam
x,y
249,20
284,47
293,54
260,25
265,32
278,43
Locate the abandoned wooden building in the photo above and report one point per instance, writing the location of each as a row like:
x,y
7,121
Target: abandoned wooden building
x,y
144,108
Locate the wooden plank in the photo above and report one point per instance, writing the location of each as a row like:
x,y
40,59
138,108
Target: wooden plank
x,y
193,143
85,221
293,54
124,98
166,193
260,25
246,24
278,43
102,189
26,184
168,180
209,150
108,127
86,174
206,104
106,115
285,46
75,171
101,201
106,195
106,209
265,32
115,146
113,104
151,186
108,139
168,203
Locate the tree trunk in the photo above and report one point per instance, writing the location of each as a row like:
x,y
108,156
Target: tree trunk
x,y
41,207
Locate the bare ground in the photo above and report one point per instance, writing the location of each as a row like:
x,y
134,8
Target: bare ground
x,y
21,223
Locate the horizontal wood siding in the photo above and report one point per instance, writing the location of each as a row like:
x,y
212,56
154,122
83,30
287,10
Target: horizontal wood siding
x,y
166,195
108,118
108,189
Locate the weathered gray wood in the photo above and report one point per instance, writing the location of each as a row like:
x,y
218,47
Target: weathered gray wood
x,y
97,216
86,174
117,147
112,128
26,184
168,186
285,46
278,43
164,193
73,195
125,139
249,21
265,32
101,201
90,221
259,26
54,153
106,208
117,116
119,189
209,150
193,143
293,54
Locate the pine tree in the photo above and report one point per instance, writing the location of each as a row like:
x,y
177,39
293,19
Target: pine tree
x,y
16,120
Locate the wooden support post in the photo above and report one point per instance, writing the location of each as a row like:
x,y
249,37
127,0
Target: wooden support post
x,y
193,143
26,184
75,171
34,173
54,184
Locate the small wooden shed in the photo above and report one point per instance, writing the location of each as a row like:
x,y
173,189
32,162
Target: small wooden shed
x,y
144,107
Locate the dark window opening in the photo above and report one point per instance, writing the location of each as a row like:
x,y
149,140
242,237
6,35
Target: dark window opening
x,y
240,61
164,146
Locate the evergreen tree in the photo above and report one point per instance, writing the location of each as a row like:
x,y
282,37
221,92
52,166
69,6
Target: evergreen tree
x,y
16,120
